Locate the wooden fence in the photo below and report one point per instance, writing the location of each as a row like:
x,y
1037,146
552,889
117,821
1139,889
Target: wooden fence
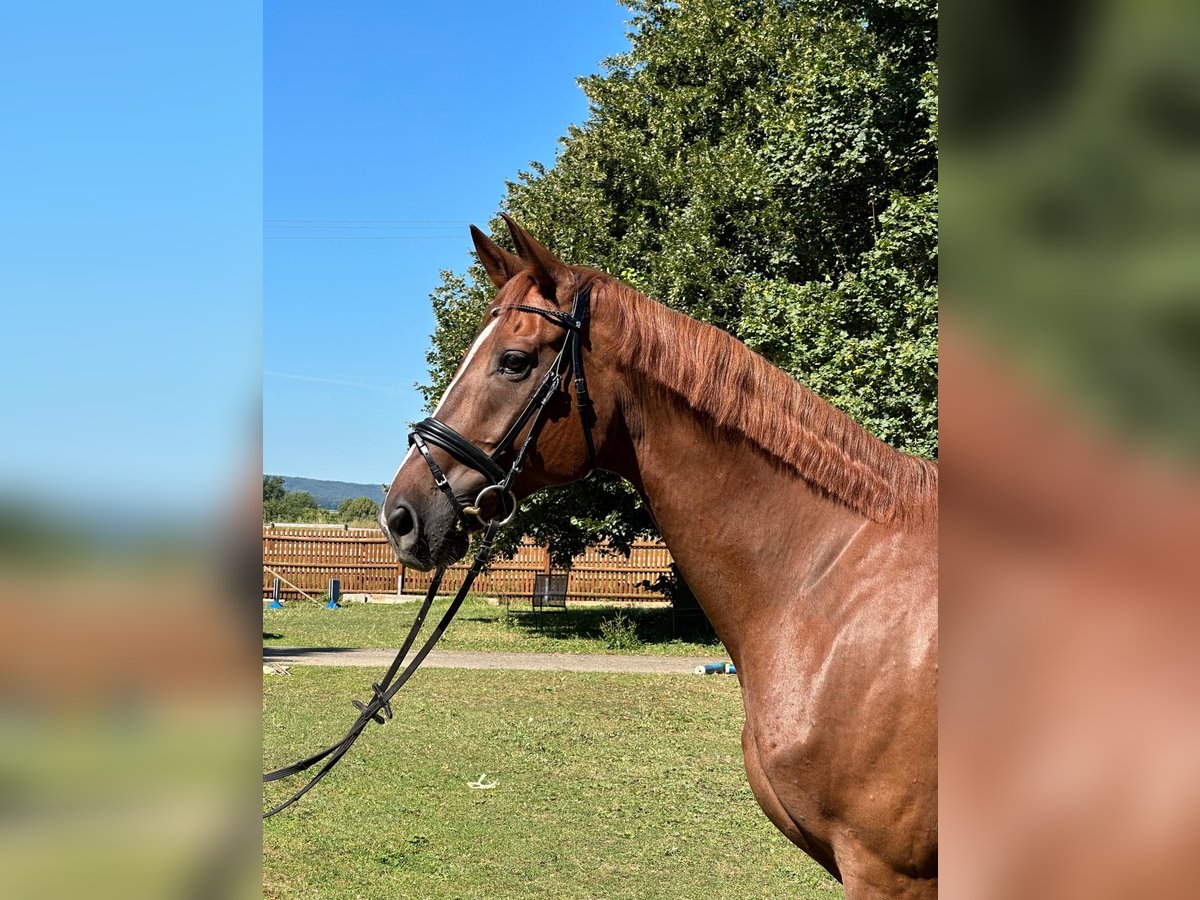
x,y
308,556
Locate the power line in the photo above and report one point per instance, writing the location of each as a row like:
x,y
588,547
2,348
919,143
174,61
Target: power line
x,y
363,237
305,225
444,222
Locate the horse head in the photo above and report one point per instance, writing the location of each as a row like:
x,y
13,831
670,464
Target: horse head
x,y
517,415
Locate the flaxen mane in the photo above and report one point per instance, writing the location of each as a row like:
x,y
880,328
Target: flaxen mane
x,y
713,373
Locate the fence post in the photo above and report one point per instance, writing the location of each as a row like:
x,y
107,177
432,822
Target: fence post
x,y
276,589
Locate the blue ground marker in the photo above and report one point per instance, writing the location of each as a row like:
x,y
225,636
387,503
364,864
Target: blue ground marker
x,y
335,591
275,591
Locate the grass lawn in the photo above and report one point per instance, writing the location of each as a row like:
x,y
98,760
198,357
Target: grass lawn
x,y
607,786
479,626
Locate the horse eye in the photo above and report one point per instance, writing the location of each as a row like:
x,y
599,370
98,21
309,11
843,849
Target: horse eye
x,y
514,363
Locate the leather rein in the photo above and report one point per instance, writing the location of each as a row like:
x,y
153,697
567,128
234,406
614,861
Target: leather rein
x,y
431,431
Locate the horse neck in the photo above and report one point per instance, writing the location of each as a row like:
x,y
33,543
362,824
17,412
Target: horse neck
x,y
743,531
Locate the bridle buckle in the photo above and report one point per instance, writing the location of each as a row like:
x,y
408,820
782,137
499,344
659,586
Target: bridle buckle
x,y
477,509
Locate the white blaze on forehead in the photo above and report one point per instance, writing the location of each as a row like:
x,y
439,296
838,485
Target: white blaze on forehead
x,y
457,375
466,363
410,452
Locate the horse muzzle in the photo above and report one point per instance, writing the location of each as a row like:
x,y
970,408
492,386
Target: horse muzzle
x,y
423,534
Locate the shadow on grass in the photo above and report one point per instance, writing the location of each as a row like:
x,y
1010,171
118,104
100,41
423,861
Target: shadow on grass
x,y
268,651
649,626
593,629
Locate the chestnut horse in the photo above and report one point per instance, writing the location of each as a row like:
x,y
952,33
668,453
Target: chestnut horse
x,y
811,545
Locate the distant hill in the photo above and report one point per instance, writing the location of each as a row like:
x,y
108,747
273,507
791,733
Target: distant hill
x,y
330,493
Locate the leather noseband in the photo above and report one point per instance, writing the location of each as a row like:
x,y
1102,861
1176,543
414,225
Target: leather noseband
x,y
433,431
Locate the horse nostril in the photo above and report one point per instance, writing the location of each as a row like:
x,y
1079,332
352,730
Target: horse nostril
x,y
401,521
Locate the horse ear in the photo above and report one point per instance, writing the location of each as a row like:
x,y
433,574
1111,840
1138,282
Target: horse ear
x,y
552,274
499,264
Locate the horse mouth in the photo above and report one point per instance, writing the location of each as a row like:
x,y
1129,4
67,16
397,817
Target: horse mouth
x,y
453,547
432,551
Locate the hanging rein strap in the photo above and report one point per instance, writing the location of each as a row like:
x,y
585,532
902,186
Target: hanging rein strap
x,y
431,431
379,707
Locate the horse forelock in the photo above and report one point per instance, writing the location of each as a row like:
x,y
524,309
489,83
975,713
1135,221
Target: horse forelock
x,y
714,374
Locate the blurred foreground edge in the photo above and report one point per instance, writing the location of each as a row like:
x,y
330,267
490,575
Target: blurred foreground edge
x,y
1070,504
1069,734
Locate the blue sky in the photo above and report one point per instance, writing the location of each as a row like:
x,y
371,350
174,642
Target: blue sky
x,y
142,307
130,254
389,128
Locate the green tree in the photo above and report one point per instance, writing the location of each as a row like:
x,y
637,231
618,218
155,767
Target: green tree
x,y
272,488
293,506
357,509
768,166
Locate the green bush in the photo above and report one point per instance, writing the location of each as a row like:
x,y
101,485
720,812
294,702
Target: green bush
x,y
358,509
620,633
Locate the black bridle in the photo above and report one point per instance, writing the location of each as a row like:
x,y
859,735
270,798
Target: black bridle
x,y
431,431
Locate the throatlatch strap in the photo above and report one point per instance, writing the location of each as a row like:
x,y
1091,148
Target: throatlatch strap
x,y
580,314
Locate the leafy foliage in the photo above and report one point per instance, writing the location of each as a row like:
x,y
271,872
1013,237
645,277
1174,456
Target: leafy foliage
x,y
281,505
768,166
273,488
289,506
357,509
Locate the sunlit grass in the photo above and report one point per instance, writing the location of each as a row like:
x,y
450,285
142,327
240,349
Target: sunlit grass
x,y
606,786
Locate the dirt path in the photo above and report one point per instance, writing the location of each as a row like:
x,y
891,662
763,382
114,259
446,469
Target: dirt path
x,y
478,659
